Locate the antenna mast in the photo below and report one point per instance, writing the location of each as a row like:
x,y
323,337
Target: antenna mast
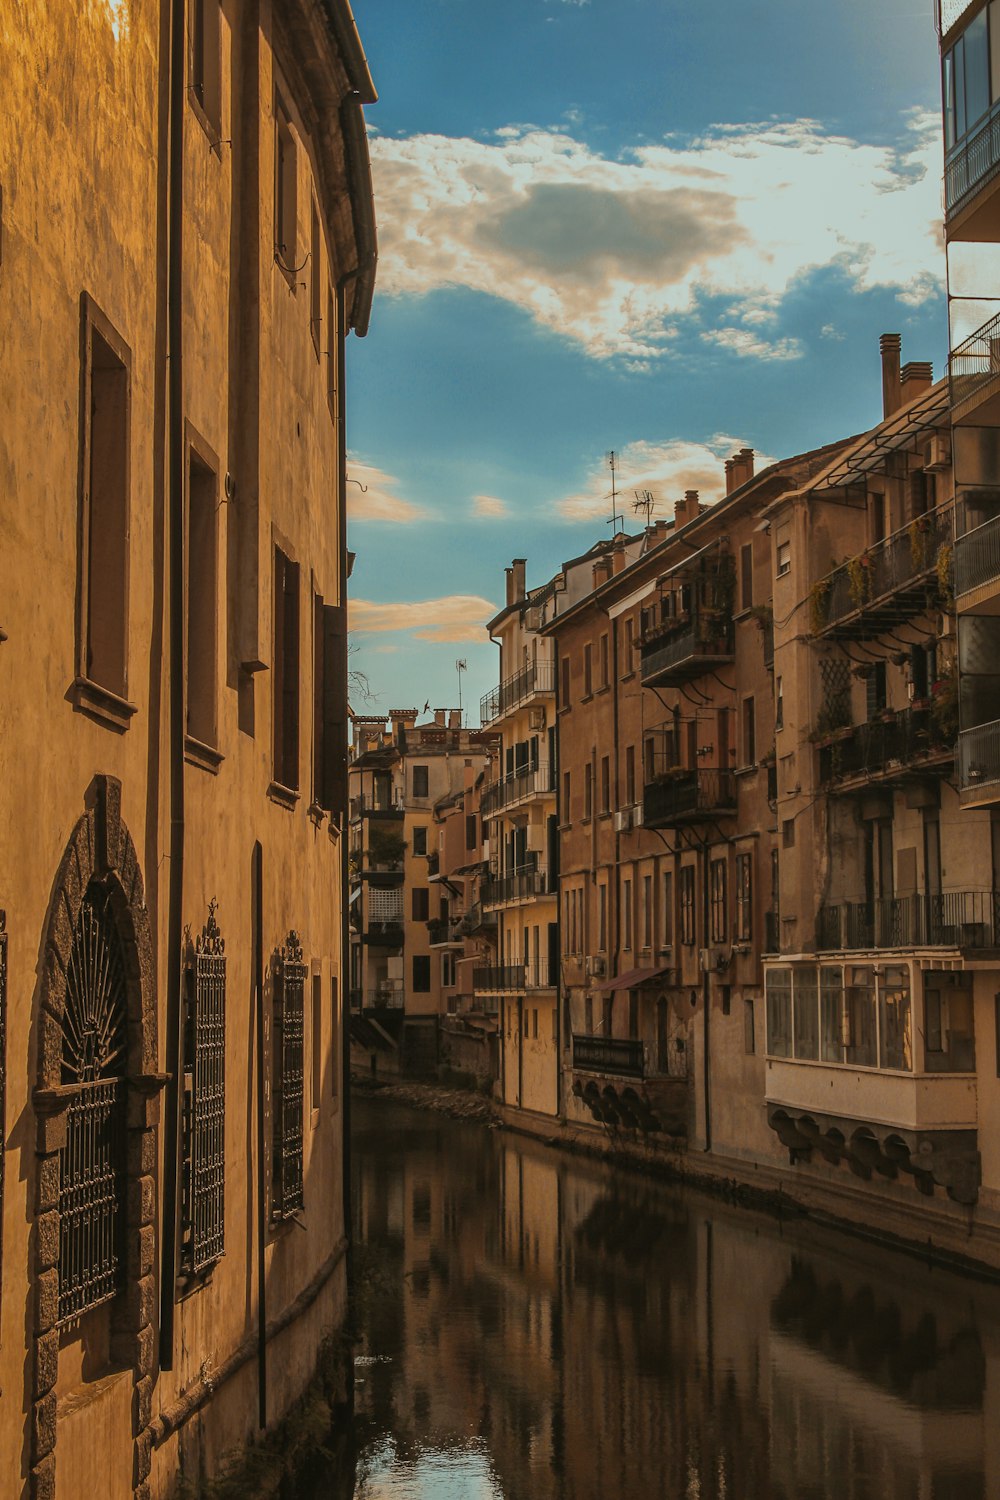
x,y
460,666
644,503
613,522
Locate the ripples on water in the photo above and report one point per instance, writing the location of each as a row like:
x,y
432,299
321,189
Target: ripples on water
x,y
534,1328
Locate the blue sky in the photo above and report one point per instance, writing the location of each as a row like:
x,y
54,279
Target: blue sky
x,y
661,228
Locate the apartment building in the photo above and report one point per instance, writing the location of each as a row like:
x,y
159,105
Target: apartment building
x,y
404,917
173,673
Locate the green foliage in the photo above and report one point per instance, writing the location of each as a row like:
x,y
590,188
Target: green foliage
x,y
819,599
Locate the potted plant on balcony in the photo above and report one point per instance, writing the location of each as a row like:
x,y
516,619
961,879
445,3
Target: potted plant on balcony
x,y
920,542
859,578
945,576
944,706
819,604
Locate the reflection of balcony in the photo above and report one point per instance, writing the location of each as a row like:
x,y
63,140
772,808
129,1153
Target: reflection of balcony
x,y
678,797
606,1054
383,935
979,764
533,781
977,557
972,163
974,367
887,750
950,919
891,582
682,648
535,679
523,885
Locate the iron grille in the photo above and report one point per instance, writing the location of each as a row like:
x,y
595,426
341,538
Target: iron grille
x,y
92,1162
288,1055
203,1231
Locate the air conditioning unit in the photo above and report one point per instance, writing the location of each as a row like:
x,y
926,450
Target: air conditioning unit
x,y
532,617
536,718
637,815
623,820
939,451
713,960
596,966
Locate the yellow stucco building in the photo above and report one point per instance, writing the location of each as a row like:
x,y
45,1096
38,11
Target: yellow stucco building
x,y
187,239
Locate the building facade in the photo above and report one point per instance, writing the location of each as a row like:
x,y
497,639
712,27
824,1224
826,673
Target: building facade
x,y
171,867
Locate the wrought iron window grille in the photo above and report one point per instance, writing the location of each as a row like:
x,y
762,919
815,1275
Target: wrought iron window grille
x,y
288,1063
204,1181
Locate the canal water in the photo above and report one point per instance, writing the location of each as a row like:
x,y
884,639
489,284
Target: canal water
x,y
535,1326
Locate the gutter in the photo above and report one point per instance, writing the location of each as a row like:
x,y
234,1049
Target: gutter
x,y
359,181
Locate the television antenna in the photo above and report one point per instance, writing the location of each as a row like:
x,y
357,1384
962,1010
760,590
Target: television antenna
x,y
644,503
612,458
460,666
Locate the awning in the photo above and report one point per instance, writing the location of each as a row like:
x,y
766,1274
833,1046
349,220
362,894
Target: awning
x,y
634,979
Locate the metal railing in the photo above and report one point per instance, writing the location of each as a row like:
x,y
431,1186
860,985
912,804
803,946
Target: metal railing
x,y
702,640
529,782
474,920
607,1054
973,162
384,934
496,978
687,795
520,886
873,748
381,866
443,930
974,362
892,565
536,677
365,805
977,556
949,919
385,997
979,756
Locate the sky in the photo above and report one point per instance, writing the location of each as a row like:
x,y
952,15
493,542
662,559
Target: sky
x,y
668,230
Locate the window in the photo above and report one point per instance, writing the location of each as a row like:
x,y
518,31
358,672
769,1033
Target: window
x,y
667,928
687,906
421,973
605,783
534,1024
626,913
92,1165
206,83
565,797
421,903
749,733
202,593
447,970
315,280
778,995
717,899
471,829
744,897
784,558
629,775
420,781
749,1038
746,576
285,671
588,670
588,790
779,704
329,706
602,924
972,75
629,646
726,991
420,840
605,677
104,503
647,911
788,833
204,1183
285,208
331,353
288,1059
564,689
335,1025
316,1040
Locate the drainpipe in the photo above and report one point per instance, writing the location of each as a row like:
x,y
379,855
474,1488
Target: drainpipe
x,y
705,1001
175,609
345,928
257,898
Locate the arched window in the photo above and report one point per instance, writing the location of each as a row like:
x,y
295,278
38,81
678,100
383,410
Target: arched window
x,y
92,1162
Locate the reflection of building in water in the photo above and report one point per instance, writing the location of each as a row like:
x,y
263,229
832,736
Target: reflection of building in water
x,y
607,1338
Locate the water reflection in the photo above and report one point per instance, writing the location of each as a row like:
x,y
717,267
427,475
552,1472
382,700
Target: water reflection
x,y
535,1328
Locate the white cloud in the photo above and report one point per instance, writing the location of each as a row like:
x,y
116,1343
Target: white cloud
x,y
743,341
618,254
456,617
489,508
665,469
371,496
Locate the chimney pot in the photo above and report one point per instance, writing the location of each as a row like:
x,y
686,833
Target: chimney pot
x,y
730,475
889,348
917,375
455,718
440,716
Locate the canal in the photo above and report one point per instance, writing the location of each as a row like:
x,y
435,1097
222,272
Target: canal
x,y
534,1327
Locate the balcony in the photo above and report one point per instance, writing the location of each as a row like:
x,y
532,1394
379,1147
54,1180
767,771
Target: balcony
x,y
972,163
974,369
386,996
979,764
505,979
677,797
686,646
534,680
886,585
968,920
383,935
605,1054
887,750
510,890
368,806
977,557
382,871
520,786
475,921
443,932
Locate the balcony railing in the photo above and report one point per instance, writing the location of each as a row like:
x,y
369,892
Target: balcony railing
x,y
950,919
606,1054
973,162
878,748
383,997
977,557
530,782
474,920
687,797
979,757
367,806
381,867
675,651
384,934
974,362
885,585
493,980
521,886
442,930
536,677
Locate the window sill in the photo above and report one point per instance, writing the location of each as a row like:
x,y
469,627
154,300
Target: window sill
x,y
316,814
746,770
605,687
197,753
102,704
605,815
627,676
284,796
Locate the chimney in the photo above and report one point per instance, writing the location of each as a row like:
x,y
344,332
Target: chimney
x,y
618,554
730,475
455,718
680,513
602,571
917,375
746,458
440,716
662,529
515,580
889,346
